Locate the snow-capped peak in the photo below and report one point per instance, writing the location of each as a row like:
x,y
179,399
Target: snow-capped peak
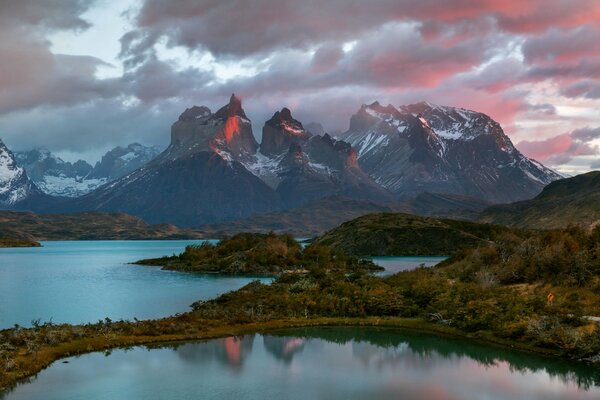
x,y
14,184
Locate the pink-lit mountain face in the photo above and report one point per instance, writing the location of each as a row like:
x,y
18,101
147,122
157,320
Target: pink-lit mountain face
x,y
215,170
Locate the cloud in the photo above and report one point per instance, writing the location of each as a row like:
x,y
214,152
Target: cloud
x,y
559,45
45,15
582,88
30,74
522,63
563,148
243,27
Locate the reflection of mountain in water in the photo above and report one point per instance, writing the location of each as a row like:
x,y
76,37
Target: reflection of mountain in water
x,y
231,351
416,349
283,348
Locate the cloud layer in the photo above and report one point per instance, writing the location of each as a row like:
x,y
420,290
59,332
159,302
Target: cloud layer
x,y
534,66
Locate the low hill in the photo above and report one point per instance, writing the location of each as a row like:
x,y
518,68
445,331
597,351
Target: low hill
x,y
446,205
11,242
309,220
569,201
317,217
397,234
85,226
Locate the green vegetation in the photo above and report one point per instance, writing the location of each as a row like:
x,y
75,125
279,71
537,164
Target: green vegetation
x,y
12,242
396,234
260,254
86,226
569,201
496,292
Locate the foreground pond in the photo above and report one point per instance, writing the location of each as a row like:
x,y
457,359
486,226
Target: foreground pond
x,y
315,363
84,281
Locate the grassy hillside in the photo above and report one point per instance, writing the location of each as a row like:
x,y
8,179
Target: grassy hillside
x,y
85,226
396,234
570,201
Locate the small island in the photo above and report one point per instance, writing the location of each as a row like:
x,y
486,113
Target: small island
x,y
257,254
12,242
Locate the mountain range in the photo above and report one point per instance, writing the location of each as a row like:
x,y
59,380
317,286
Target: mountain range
x,y
57,177
424,147
570,201
214,170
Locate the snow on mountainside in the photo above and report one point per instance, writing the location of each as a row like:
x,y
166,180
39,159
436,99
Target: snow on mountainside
x,y
57,177
15,186
120,161
425,147
302,167
197,179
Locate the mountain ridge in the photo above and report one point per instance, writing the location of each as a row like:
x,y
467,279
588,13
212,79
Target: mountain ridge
x,y
569,201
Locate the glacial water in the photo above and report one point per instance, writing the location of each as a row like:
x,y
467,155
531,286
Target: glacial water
x,y
84,281
314,363
393,265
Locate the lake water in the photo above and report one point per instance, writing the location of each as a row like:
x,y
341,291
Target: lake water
x,y
314,363
84,281
393,265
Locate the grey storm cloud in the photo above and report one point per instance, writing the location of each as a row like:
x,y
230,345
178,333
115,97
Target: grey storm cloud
x,y
586,134
45,14
403,51
30,74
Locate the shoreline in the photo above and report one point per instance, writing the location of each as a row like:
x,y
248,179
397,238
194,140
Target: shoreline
x,y
47,355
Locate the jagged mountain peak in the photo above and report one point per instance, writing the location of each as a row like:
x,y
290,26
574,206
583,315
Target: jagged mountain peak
x,y
195,112
15,185
281,131
427,147
283,119
379,108
228,132
233,108
456,123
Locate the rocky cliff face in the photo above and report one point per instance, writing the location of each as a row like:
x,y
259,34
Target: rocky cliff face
x,y
228,132
197,179
302,167
280,132
428,148
15,185
214,170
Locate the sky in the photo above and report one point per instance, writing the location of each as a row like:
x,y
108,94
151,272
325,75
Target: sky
x,y
81,76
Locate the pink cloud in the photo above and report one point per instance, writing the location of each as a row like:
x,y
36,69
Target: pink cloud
x,y
562,148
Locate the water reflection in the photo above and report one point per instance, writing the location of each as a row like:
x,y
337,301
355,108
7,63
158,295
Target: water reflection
x,y
331,363
283,348
231,351
383,348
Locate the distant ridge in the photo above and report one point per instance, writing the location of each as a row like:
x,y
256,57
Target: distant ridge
x,y
569,201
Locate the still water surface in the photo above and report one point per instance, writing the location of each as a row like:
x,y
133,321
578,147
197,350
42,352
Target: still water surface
x,y
393,265
315,363
84,281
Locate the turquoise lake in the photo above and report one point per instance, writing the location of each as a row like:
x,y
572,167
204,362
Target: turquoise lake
x,y
314,363
84,281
